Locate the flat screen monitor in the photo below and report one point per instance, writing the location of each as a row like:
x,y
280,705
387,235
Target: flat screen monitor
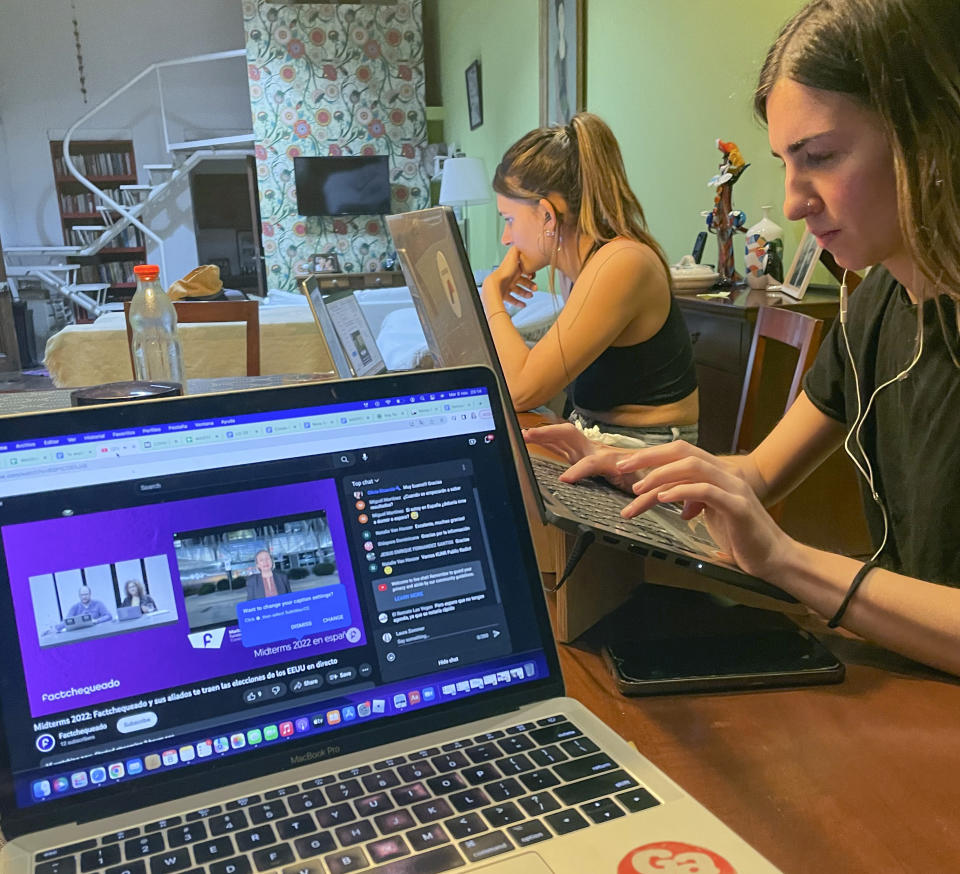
x,y
343,185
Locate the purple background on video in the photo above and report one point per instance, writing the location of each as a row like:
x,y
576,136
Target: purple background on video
x,y
155,658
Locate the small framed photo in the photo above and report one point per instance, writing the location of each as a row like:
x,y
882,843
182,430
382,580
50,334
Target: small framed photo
x,y
474,95
326,262
801,268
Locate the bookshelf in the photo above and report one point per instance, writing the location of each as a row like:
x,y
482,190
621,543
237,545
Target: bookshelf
x,y
108,164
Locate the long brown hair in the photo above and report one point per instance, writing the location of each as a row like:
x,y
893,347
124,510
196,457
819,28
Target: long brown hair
x,y
580,161
901,59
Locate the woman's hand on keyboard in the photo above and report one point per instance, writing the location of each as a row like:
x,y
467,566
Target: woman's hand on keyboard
x,y
720,487
585,457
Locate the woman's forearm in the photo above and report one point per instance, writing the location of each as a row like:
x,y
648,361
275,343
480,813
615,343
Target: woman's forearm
x,y
918,619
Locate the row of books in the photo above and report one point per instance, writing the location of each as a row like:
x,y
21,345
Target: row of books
x,y
129,238
86,202
114,272
97,164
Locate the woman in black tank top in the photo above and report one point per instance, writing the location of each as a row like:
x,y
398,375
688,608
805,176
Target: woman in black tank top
x,y
619,345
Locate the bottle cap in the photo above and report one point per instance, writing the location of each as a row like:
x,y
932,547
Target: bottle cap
x,y
146,271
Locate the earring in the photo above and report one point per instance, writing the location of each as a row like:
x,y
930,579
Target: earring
x,y
549,233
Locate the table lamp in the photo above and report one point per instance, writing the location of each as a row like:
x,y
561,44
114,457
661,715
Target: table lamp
x,y
464,183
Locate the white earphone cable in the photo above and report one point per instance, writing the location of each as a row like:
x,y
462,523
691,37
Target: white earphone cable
x,y
865,468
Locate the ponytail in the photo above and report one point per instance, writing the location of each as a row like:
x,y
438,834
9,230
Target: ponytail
x,y
581,161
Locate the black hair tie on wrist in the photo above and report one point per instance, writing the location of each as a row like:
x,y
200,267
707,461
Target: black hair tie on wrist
x,y
854,585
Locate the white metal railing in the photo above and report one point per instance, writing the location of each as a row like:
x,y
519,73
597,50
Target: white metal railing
x,y
131,213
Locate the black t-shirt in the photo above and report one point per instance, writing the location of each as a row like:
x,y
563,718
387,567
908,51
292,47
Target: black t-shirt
x,y
911,433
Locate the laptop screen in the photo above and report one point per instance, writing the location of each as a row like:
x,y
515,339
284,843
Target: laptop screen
x,y
202,581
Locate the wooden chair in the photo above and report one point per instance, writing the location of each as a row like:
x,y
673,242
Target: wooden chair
x,y
799,331
188,312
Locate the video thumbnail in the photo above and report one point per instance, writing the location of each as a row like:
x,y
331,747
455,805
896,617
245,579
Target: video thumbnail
x,y
102,600
222,568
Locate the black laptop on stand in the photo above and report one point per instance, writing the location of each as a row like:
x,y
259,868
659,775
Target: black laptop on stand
x,y
652,645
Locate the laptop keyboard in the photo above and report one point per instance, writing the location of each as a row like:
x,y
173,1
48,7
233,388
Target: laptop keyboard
x,y
598,502
427,812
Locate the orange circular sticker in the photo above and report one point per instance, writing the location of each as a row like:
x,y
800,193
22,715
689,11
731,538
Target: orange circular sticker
x,y
673,857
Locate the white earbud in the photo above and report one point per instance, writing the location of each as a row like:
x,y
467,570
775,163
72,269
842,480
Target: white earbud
x,y
843,299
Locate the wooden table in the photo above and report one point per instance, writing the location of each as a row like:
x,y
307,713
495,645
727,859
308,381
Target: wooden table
x,y
863,776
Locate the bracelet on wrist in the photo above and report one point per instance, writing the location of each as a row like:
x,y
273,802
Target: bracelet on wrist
x,y
854,585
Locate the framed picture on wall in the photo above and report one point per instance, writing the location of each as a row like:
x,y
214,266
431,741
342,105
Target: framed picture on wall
x,y
801,268
474,95
562,85
326,262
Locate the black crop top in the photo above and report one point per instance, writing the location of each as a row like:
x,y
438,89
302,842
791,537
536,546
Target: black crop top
x,y
653,373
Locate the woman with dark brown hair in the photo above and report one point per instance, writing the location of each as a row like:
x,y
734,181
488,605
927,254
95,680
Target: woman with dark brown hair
x,y
136,596
619,342
862,103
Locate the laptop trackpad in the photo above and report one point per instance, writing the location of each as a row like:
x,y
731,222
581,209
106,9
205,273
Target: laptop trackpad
x,y
528,863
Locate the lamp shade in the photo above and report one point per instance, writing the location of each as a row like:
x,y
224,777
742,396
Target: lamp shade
x,y
464,182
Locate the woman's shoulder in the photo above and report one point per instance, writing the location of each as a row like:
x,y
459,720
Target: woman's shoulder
x,y
628,266
629,256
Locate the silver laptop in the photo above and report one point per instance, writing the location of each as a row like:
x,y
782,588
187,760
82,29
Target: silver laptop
x,y
125,614
391,702
437,270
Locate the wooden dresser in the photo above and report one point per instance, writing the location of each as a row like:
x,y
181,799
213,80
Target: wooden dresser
x,y
722,331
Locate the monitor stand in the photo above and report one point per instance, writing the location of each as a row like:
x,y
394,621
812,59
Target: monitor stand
x,y
665,640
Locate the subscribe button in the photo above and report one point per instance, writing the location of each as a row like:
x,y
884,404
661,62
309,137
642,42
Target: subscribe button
x,y
136,722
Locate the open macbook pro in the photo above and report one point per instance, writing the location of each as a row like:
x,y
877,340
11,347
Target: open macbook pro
x,y
357,673
438,272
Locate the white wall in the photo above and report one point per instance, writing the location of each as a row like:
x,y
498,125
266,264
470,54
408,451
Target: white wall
x,y
40,97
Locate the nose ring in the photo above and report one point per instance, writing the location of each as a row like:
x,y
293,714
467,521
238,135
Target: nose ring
x,y
809,204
